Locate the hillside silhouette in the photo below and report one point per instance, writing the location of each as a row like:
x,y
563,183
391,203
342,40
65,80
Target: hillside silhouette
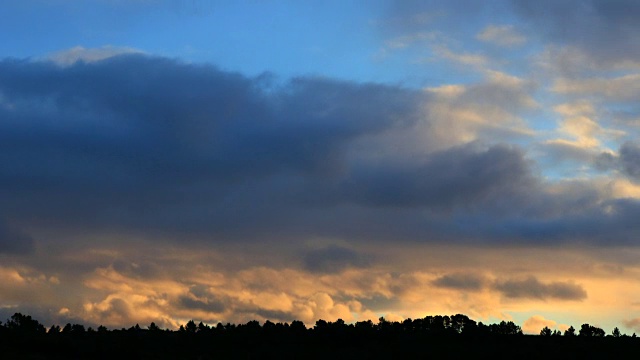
x,y
456,336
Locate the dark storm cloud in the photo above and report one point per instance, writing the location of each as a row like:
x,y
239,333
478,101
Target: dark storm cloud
x,y
143,117
532,288
456,177
607,31
461,281
151,144
333,259
139,144
132,140
577,218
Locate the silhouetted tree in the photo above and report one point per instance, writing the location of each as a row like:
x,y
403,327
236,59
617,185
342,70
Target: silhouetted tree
x,y
338,324
589,330
77,329
135,329
54,329
570,331
320,325
191,326
24,324
437,324
545,331
202,328
298,326
598,332
383,324
153,327
461,323
482,328
364,325
505,328
616,332
253,325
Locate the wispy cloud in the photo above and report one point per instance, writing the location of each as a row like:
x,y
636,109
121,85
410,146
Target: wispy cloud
x,y
501,35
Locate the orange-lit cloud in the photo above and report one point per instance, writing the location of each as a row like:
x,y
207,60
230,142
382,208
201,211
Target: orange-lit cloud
x,y
534,324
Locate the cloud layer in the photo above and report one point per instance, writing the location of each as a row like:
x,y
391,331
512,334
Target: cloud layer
x,y
136,143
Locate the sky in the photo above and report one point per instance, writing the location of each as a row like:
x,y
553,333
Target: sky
x,y
225,161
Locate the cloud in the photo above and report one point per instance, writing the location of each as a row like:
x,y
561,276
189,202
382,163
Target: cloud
x,y
208,305
111,311
80,54
333,259
501,35
131,132
622,89
532,288
625,189
528,288
490,109
467,59
461,281
25,285
456,177
625,160
137,144
633,324
254,293
606,31
567,155
410,16
534,324
198,285
586,133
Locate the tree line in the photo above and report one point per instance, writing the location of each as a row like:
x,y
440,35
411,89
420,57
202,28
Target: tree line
x,y
458,324
23,335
